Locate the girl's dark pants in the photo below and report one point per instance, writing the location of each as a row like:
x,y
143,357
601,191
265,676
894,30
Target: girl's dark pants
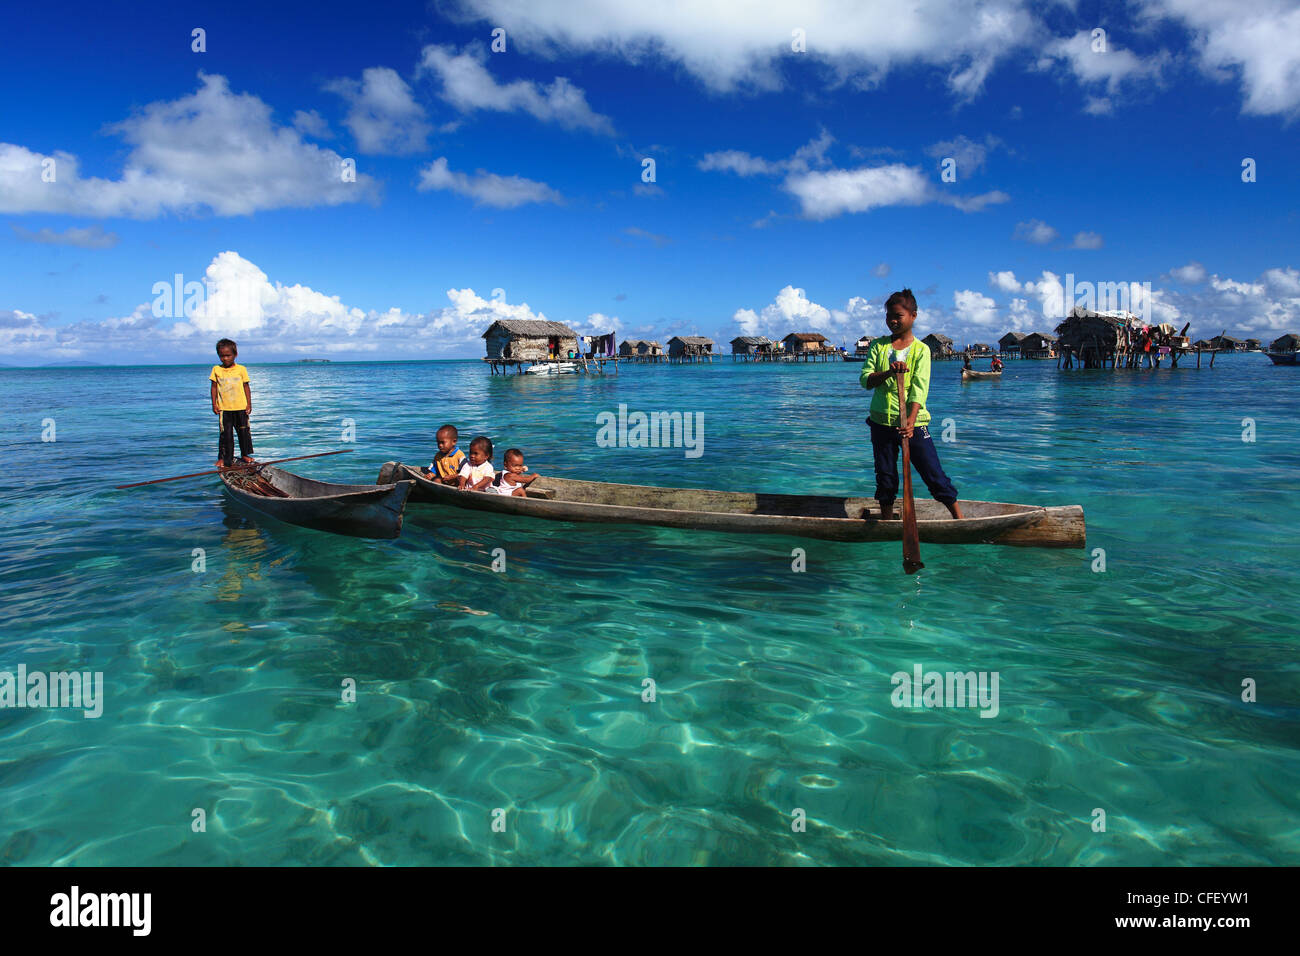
x,y
887,443
235,422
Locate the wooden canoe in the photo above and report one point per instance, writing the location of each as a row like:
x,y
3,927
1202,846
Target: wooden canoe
x,y
1283,358
804,516
363,511
971,375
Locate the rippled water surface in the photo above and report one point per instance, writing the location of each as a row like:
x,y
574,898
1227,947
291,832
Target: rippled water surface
x,y
521,691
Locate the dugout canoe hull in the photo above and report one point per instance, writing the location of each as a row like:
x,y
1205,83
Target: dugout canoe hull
x,y
967,375
362,511
804,516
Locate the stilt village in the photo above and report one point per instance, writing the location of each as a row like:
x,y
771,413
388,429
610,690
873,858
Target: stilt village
x,y
1086,339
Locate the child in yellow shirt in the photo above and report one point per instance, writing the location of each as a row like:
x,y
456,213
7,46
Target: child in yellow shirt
x,y
445,467
232,403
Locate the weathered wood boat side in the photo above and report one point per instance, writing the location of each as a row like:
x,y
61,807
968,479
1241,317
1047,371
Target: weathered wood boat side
x,y
363,511
807,516
971,375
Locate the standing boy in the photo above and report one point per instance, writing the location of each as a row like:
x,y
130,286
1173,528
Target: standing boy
x,y
901,353
232,403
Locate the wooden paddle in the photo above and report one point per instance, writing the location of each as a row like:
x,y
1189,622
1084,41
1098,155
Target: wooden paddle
x,y
911,537
217,471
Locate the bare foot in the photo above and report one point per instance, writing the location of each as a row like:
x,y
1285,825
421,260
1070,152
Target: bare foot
x,y
954,509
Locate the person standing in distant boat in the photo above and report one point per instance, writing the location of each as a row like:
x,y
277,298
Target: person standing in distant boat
x,y
232,403
965,360
902,353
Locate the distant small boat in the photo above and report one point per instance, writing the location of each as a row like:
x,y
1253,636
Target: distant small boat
x,y
552,368
363,511
1284,358
971,375
825,517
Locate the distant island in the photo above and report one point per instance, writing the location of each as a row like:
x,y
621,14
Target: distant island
x,y
312,361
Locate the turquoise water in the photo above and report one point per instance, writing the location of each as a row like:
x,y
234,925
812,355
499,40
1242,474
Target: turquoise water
x,y
521,690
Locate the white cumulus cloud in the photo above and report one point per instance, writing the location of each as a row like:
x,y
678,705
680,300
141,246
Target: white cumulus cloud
x,y
468,86
793,311
382,113
1094,64
974,308
213,149
1253,43
825,194
1004,281
488,189
729,45
1035,231
271,320
1192,274
968,154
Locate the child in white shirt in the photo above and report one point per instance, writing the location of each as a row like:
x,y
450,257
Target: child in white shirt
x,y
476,472
512,480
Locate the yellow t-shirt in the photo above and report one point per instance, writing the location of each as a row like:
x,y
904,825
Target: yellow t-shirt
x,y
449,465
230,387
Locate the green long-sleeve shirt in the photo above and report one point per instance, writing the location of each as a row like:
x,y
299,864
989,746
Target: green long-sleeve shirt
x,y
916,383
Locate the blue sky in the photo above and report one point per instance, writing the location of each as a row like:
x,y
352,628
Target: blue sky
x,y
793,189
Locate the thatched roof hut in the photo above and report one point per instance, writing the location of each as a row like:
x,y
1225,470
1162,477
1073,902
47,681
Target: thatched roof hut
x,y
1287,343
940,345
689,345
1226,343
529,340
649,347
1011,341
863,344
1038,345
804,342
1253,345
1086,329
628,346
750,344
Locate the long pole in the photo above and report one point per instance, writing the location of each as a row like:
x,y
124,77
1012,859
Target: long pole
x,y
911,536
259,464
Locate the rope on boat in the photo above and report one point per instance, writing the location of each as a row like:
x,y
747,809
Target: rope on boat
x,y
254,483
